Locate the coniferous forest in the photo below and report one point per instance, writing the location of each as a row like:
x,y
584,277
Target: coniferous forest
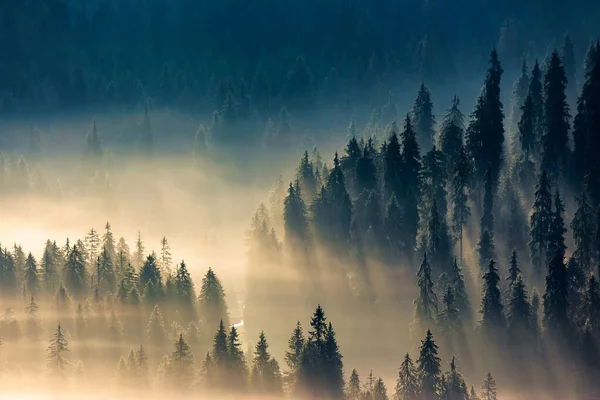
x,y
362,200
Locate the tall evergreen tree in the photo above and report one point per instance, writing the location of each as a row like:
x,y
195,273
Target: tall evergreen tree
x,y
518,313
180,367
583,227
556,242
591,306
293,356
236,362
211,301
306,176
488,388
513,270
428,368
492,310
460,209
411,183
422,115
31,280
556,120
456,388
540,222
339,207
266,378
55,354
353,391
537,99
426,305
408,384
519,94
556,302
451,135
74,272
485,135
49,266
297,235
392,173
485,248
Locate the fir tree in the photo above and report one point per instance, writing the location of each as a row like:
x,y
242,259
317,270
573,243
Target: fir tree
x,y
165,257
422,115
180,368
513,271
220,355
556,302
33,326
211,301
487,218
184,287
518,313
426,306
266,377
393,227
451,135
139,253
333,366
591,306
460,208
236,361
31,280
428,368
49,266
366,170
540,222
583,227
74,272
527,134
55,354
519,94
556,120
306,176
485,248
407,385
293,355
410,183
150,273
492,310
353,391
537,99
380,391
156,328
392,173
556,242
339,207
456,388
485,135
488,388
297,235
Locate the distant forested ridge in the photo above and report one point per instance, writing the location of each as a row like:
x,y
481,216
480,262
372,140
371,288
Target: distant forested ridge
x,y
68,55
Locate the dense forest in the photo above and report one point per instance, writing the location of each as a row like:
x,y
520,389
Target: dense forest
x,y
458,247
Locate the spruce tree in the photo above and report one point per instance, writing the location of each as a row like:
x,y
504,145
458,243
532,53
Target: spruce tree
x,y
380,391
556,302
527,134
537,98
164,261
180,368
393,228
487,218
306,176
33,325
428,368
519,94
456,388
366,170
434,180
540,223
156,328
485,249
460,209
583,227
49,265
461,296
513,270
392,172
220,355
353,391
488,388
339,207
518,314
293,356
451,135
55,354
410,183
236,361
211,300
333,366
184,287
426,305
422,115
485,134
265,379
556,120
492,310
297,234
31,280
74,272
591,306
407,385
556,242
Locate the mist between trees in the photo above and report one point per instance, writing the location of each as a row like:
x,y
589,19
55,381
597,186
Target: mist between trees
x,y
480,235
